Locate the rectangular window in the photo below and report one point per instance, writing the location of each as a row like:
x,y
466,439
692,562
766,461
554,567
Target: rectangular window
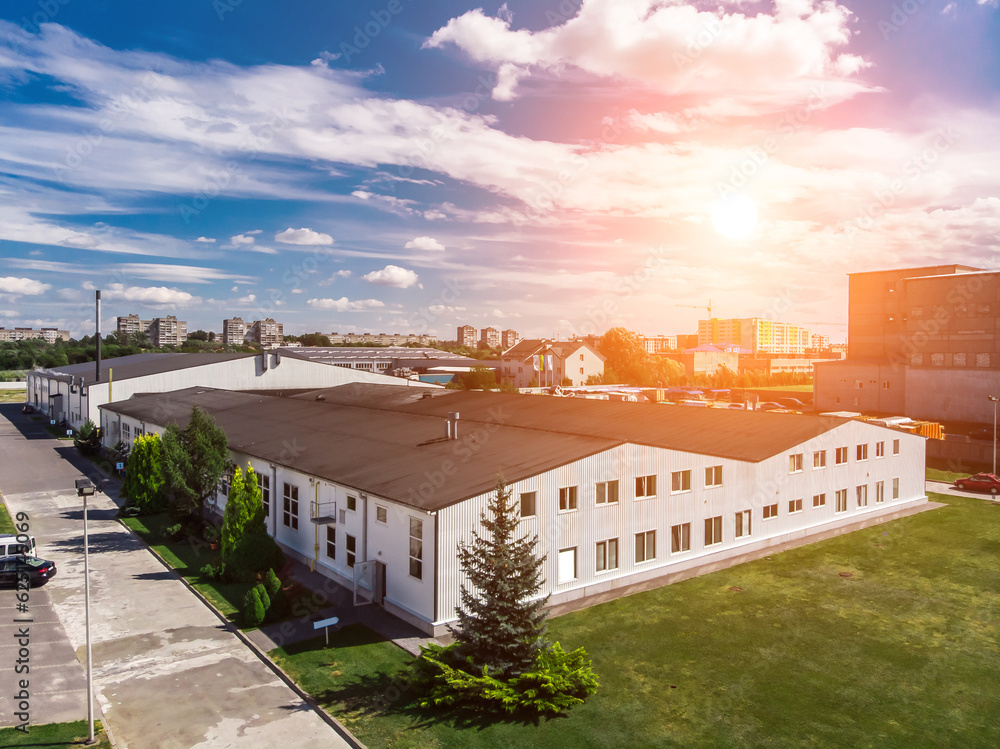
x,y
264,482
352,503
607,555
841,455
645,546
862,452
645,486
331,542
880,449
879,492
680,538
713,476
680,481
795,463
841,501
567,499
743,523
770,511
713,530
352,549
381,514
895,488
527,504
607,492
794,505
819,459
862,494
567,565
895,447
819,500
416,548
126,433
290,506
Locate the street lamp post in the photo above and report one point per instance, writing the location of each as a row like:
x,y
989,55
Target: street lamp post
x,y
85,488
994,399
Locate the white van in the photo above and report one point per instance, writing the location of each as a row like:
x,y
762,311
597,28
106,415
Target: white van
x,y
11,547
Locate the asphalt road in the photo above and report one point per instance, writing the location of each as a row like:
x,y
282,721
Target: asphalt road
x,y
942,487
167,672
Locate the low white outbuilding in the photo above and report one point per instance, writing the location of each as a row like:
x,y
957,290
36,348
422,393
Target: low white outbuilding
x,y
377,485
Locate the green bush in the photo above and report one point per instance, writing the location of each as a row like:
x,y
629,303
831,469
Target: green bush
x,y
88,440
253,555
214,571
272,583
556,681
264,597
253,609
280,607
210,534
129,511
174,532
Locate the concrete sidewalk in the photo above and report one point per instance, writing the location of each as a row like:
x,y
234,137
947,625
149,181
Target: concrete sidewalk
x,y
167,672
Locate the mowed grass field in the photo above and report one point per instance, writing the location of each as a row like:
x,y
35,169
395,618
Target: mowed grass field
x,y
786,651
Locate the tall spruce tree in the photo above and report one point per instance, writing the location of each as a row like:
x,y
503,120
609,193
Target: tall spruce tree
x,y
501,625
193,460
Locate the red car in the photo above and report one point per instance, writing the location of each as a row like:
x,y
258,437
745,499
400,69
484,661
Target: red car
x,y
981,482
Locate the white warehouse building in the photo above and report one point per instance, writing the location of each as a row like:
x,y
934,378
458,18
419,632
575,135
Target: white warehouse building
x,y
377,485
74,393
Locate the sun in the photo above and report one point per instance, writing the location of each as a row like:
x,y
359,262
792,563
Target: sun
x,y
734,216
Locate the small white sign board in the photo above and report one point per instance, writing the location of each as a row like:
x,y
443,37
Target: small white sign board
x,y
325,624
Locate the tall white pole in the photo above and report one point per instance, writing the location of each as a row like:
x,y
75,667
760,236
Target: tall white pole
x,y
994,436
86,596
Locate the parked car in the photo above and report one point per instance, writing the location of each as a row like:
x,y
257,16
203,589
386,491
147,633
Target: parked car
x,y
39,571
793,403
980,482
27,408
769,406
10,546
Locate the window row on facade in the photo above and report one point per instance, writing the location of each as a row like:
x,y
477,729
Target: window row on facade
x,y
840,455
606,556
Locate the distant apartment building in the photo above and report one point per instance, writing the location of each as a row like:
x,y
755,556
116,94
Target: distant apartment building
x,y
660,343
819,342
234,330
509,338
383,339
267,333
167,331
550,362
466,336
161,331
755,334
49,335
489,338
686,341
923,342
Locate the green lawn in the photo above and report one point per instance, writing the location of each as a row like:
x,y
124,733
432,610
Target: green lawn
x,y
188,557
54,736
903,653
6,522
936,474
13,396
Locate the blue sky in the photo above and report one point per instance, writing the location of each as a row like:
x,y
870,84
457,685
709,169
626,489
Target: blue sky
x,y
553,167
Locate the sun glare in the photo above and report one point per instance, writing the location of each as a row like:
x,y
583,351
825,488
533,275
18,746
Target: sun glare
x,y
734,216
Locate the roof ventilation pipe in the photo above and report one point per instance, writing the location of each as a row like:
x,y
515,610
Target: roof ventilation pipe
x,y
452,426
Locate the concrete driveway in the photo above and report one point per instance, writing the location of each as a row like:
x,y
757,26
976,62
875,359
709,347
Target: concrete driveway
x,y
167,672
943,487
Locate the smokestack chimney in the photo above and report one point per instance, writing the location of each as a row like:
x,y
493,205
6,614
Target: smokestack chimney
x,y
452,425
98,378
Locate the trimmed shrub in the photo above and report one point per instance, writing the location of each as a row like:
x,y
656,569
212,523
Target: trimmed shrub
x,y
280,607
174,532
556,681
253,555
264,597
253,609
272,583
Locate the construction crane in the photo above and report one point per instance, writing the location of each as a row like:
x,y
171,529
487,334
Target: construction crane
x,y
698,306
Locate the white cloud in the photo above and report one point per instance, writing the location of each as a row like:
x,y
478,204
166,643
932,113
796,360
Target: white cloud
x,y
26,286
345,305
424,243
392,275
147,294
297,291
241,240
205,239
303,237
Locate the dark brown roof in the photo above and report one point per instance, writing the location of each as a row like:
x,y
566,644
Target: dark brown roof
x,y
531,346
389,441
137,365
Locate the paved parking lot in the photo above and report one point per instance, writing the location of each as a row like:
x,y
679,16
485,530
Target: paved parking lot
x,y
167,672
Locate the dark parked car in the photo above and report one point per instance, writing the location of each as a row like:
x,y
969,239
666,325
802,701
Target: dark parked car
x,y
793,403
769,406
980,482
39,571
27,408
